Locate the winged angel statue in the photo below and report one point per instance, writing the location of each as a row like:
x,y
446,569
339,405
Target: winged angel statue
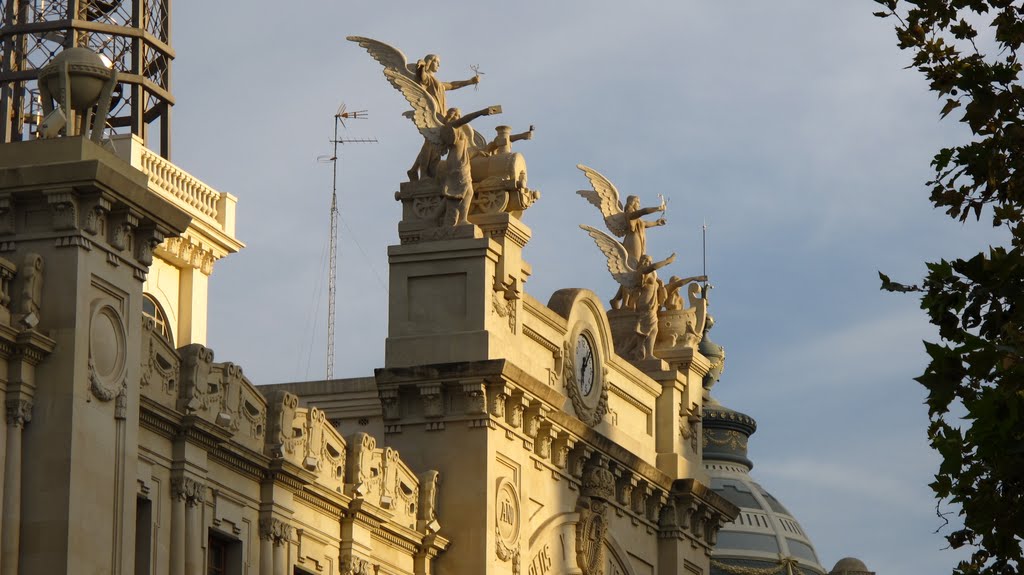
x,y
449,133
421,73
639,289
625,223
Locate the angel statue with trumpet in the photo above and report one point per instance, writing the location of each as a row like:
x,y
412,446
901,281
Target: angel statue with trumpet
x,y
421,73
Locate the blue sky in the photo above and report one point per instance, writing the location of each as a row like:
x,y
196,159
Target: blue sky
x,y
791,127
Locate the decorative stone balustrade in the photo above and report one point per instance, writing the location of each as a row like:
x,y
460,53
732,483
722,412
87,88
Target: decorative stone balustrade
x,y
200,200
180,184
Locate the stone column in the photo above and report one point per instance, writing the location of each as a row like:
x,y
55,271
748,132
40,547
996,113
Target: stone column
x,y
274,537
187,526
19,412
177,560
281,557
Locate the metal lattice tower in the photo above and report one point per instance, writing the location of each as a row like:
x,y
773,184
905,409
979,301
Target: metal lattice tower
x,y
134,35
332,281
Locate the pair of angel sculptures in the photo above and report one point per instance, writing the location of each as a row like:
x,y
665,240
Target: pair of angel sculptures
x,y
648,316
476,176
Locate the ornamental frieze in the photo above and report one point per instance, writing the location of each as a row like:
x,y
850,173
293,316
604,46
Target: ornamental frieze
x,y
189,252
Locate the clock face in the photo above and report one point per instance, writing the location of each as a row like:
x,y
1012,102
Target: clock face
x,y
585,365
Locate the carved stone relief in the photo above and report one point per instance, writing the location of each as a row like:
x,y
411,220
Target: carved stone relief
x,y
351,565
274,530
189,490
597,488
507,514
689,423
107,353
19,412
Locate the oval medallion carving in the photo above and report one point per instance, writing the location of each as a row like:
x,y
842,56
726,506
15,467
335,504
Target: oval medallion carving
x,y
507,519
106,353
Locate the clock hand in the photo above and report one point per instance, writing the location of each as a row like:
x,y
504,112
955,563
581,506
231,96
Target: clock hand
x,y
583,368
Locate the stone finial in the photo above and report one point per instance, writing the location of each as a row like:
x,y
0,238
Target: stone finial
x,y
79,80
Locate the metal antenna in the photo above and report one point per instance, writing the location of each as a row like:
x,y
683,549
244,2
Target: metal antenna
x,y
704,248
339,119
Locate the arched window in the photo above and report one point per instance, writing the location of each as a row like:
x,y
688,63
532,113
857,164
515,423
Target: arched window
x,y
151,309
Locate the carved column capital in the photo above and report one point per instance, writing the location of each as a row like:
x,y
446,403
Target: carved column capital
x,y
545,437
147,238
517,405
499,394
123,223
476,397
63,208
536,414
433,400
95,209
561,448
624,488
19,412
354,566
275,530
389,403
189,490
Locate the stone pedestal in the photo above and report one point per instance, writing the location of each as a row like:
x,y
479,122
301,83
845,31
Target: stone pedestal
x,y
457,299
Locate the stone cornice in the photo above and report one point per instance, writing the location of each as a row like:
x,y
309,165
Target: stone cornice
x,y
531,391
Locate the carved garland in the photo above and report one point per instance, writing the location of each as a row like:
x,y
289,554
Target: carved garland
x,y
107,352
789,563
733,439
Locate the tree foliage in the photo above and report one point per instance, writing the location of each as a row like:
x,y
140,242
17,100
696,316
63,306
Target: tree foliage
x,y
968,51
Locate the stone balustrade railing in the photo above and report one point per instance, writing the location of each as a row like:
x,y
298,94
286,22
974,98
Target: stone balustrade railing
x,y
180,183
176,184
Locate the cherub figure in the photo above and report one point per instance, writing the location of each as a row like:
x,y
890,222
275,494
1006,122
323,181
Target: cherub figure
x,y
423,73
639,286
452,136
671,298
623,222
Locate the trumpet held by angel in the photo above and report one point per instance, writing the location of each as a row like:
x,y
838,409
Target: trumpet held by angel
x,y
422,73
624,221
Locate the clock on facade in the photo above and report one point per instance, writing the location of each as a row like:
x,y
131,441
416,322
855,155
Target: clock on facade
x,y
585,365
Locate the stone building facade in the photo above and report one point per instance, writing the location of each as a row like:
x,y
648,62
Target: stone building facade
x,y
503,435
509,427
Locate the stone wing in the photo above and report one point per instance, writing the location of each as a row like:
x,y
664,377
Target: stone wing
x,y
479,142
424,113
390,57
622,270
606,198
